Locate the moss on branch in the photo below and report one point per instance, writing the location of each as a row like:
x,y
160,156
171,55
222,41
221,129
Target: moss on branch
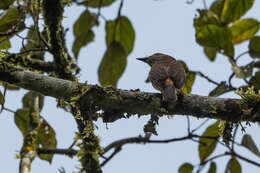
x,y
118,103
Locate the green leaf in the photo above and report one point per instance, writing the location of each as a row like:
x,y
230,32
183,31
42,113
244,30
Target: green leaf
x,y
2,98
255,80
28,100
234,9
4,43
96,3
219,90
4,4
216,37
244,29
122,31
82,31
186,168
205,18
248,142
190,78
212,168
233,166
22,120
207,146
217,7
81,40
47,139
9,18
254,47
34,42
112,65
211,53
84,23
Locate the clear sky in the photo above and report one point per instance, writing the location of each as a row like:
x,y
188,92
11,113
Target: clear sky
x,y
164,26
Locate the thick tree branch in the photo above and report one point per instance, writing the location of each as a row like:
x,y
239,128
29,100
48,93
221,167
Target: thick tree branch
x,y
118,103
69,152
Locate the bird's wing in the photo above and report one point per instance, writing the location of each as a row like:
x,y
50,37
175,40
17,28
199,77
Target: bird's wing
x,y
177,73
158,75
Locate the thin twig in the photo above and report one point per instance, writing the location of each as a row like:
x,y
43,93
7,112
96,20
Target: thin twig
x,y
234,135
244,159
188,124
9,110
145,140
140,139
230,78
205,4
99,8
242,54
117,150
205,77
72,145
213,158
199,126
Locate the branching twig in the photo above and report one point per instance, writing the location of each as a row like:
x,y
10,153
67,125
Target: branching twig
x,y
205,77
244,158
242,54
213,158
8,110
230,78
234,135
199,126
117,150
72,145
145,140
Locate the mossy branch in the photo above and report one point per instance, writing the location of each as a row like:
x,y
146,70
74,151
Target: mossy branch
x,y
118,103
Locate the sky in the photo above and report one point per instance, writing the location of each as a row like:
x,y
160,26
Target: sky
x,y
163,26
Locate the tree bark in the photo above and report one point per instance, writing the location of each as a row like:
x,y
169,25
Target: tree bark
x,y
118,103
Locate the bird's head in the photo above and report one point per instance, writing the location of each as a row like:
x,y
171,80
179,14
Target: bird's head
x,y
156,58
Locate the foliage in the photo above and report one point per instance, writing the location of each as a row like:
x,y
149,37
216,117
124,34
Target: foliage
x,y
208,145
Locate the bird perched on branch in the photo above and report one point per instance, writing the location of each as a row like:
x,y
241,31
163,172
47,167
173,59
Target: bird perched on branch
x,y
166,74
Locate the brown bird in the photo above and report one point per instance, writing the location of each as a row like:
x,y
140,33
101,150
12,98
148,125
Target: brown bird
x,y
166,74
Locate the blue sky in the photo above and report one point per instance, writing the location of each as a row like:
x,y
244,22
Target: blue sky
x,y
164,26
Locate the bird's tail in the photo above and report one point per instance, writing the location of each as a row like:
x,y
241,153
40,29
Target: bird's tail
x,y
169,93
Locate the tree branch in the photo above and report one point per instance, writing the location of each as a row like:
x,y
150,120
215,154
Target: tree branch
x,y
145,140
205,77
118,103
117,150
25,61
69,152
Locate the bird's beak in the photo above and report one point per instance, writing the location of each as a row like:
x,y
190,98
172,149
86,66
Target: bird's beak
x,y
143,59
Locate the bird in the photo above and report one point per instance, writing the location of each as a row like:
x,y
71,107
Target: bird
x,y
166,75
